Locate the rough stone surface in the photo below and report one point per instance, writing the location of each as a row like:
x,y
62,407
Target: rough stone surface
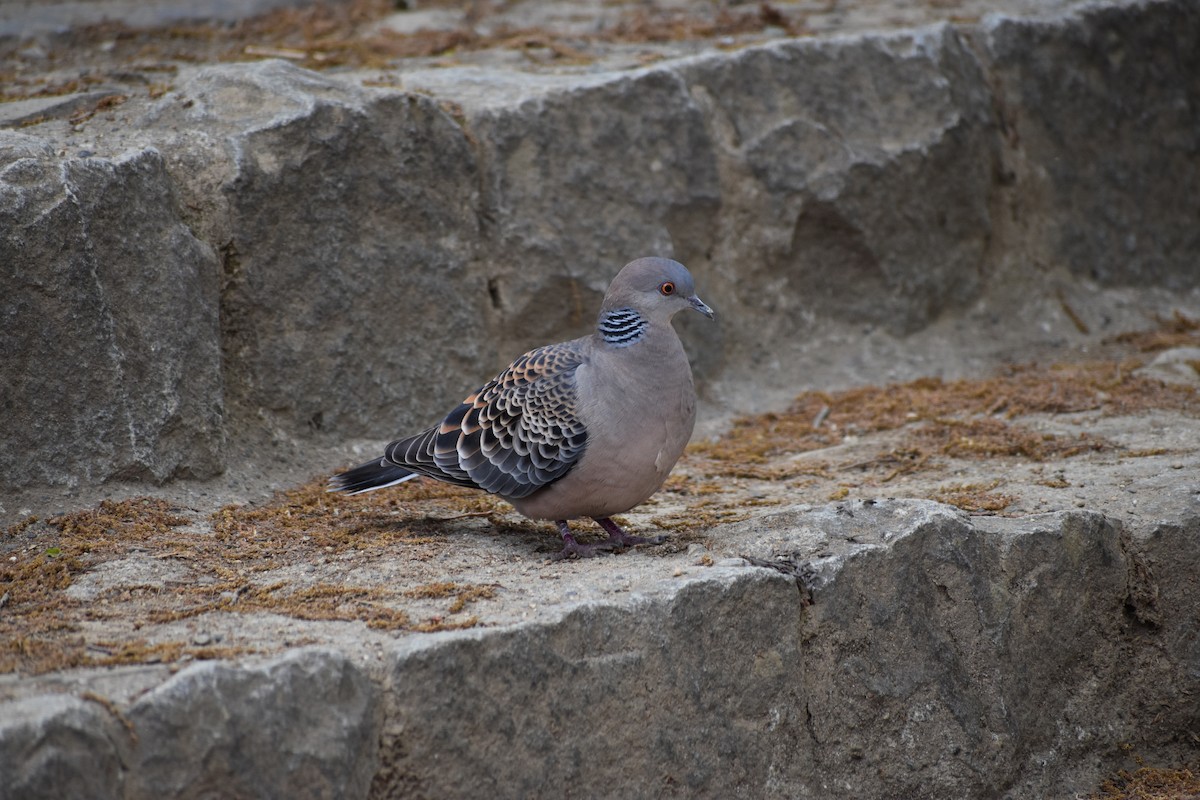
x,y
56,746
345,222
314,257
304,726
898,649
21,19
693,692
264,260
991,657
1107,140
109,346
861,170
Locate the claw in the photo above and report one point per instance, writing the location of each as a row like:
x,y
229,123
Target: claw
x,y
620,539
617,540
573,548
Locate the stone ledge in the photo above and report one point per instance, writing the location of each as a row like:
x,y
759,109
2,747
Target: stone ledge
x,y
923,652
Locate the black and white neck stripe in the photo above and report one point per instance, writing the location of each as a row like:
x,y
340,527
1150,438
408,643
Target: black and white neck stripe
x,y
622,327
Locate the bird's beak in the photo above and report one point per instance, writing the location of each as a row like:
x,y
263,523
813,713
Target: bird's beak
x,y
700,306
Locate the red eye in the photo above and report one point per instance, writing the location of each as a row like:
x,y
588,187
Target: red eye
x,y
667,288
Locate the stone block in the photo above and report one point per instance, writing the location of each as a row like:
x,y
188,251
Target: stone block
x,y
109,340
1101,106
302,726
347,223
691,693
59,746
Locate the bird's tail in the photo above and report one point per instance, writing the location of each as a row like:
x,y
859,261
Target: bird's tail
x,y
369,476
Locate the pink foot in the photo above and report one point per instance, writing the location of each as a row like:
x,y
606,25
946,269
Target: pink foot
x,y
619,539
573,549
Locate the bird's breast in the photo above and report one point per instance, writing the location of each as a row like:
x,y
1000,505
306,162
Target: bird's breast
x,y
642,411
639,417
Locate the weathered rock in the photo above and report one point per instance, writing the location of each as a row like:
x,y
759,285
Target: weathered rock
x,y
856,182
1100,111
267,248
946,657
109,348
755,170
380,251
563,210
1176,365
34,110
899,649
305,725
56,746
20,22
302,726
974,656
345,222
693,692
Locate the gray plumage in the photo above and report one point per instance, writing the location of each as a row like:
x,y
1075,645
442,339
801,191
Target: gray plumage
x,y
585,428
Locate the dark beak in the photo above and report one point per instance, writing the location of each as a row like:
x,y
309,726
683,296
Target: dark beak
x,y
699,305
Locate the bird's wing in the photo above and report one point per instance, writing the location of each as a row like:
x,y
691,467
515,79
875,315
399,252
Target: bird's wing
x,y
517,433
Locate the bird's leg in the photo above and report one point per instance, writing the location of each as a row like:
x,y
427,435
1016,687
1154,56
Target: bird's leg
x,y
574,548
619,538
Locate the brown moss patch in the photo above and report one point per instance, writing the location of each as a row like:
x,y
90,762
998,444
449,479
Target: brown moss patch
x,y
462,594
139,651
990,437
702,515
106,103
40,561
673,25
962,418
974,497
319,602
347,34
434,624
928,425
1150,783
227,555
1055,482
1177,330
22,87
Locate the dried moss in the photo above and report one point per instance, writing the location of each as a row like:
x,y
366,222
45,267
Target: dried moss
x,y
43,627
436,624
990,437
974,497
962,418
232,553
1150,783
325,35
1178,330
462,594
40,562
933,423
1056,482
142,652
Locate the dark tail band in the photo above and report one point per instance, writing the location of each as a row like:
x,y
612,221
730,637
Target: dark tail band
x,y
372,475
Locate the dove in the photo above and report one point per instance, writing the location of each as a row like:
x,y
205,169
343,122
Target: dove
x,y
588,428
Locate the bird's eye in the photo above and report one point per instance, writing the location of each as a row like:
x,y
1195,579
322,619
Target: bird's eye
x,y
667,288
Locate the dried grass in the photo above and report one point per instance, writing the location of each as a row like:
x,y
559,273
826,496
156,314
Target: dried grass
x,y
233,552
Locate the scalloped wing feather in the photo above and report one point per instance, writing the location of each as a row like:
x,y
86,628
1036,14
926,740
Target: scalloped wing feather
x,y
519,432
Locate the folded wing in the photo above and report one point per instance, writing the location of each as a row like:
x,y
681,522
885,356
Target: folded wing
x,y
517,433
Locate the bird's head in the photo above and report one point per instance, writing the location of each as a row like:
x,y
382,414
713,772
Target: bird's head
x,y
656,288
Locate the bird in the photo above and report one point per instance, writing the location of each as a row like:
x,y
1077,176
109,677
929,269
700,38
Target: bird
x,y
587,428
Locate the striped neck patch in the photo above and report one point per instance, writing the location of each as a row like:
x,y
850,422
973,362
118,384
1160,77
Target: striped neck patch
x,y
622,327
